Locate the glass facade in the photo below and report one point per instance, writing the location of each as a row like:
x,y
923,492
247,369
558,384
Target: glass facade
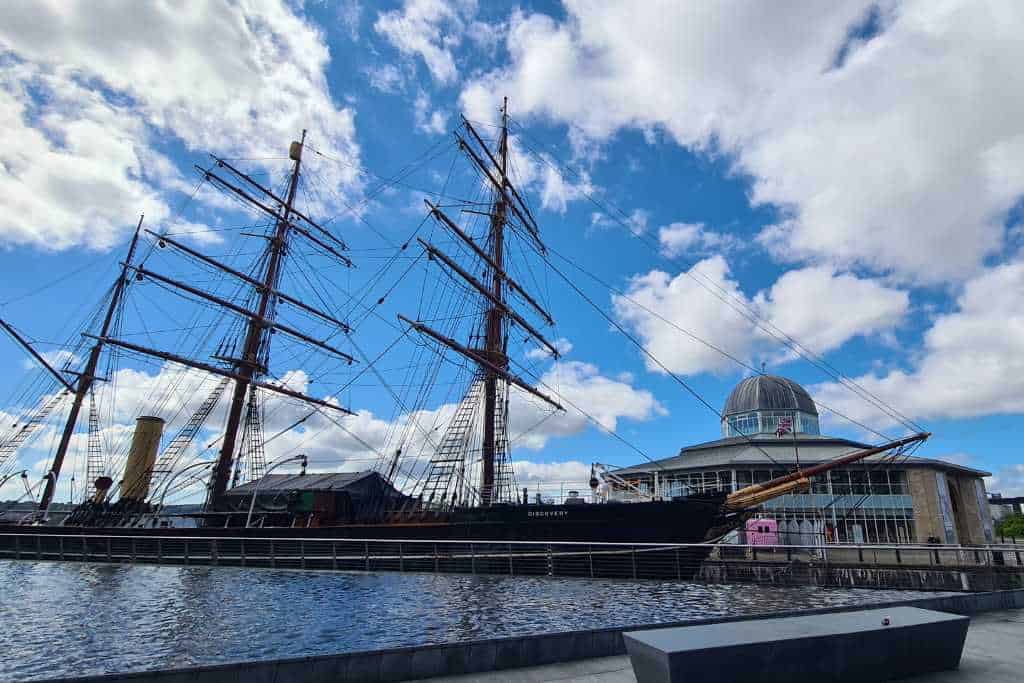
x,y
767,422
845,505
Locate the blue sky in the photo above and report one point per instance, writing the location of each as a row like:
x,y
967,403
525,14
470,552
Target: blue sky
x,y
847,173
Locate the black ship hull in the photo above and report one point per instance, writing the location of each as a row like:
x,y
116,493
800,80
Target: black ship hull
x,y
520,539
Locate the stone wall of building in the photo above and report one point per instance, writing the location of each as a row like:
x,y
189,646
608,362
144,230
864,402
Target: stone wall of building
x,y
927,510
969,516
970,525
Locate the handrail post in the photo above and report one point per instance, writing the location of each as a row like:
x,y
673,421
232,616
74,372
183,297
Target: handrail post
x,y
366,555
472,558
241,550
334,555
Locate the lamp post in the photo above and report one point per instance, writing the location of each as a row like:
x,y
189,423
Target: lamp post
x,y
256,488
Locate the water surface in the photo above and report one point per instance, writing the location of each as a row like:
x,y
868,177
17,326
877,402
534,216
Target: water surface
x,y
63,619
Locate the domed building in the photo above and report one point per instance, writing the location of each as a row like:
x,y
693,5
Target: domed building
x,y
770,427
758,404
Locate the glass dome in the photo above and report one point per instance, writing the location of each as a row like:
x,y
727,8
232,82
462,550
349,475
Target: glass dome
x,y
760,404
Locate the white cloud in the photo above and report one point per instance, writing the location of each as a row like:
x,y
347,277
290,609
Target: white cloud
x,y
635,221
334,442
815,305
350,13
556,192
1009,481
605,400
563,345
431,122
682,301
487,37
822,309
386,78
972,361
91,85
57,359
901,159
679,238
428,29
74,176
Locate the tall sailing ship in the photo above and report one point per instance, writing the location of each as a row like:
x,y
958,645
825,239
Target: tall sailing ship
x,y
449,478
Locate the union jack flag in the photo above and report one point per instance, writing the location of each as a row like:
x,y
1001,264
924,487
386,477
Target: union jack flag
x,y
785,426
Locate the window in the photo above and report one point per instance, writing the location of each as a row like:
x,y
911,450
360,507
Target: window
x,y
742,425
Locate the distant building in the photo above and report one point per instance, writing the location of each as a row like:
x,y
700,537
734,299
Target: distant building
x,y
770,424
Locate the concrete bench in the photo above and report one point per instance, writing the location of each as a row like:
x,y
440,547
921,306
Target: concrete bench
x,y
846,646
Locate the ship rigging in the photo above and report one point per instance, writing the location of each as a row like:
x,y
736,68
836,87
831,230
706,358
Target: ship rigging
x,y
452,477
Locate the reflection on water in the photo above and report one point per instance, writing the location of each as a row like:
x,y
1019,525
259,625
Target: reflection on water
x,y
76,619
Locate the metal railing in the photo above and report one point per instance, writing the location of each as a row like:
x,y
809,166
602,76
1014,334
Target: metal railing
x,y
823,565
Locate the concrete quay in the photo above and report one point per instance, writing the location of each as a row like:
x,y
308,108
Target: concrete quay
x,y
992,654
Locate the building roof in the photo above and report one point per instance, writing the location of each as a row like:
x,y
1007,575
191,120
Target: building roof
x,y
768,452
282,483
768,392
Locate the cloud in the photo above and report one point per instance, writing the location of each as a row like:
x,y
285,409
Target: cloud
x,y
58,359
815,305
428,29
88,87
350,13
605,400
75,175
1009,481
431,122
971,363
563,345
823,309
386,78
635,221
331,441
899,156
679,238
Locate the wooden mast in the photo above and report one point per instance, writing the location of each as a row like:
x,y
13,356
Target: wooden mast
x,y
86,378
249,363
494,334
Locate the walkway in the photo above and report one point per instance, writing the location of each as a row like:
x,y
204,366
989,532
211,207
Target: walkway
x,y
994,653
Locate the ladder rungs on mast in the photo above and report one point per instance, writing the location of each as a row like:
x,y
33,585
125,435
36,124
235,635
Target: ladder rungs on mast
x,y
479,286
480,360
206,367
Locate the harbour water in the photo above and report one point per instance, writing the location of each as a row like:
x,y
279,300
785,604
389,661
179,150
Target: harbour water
x,y
62,619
